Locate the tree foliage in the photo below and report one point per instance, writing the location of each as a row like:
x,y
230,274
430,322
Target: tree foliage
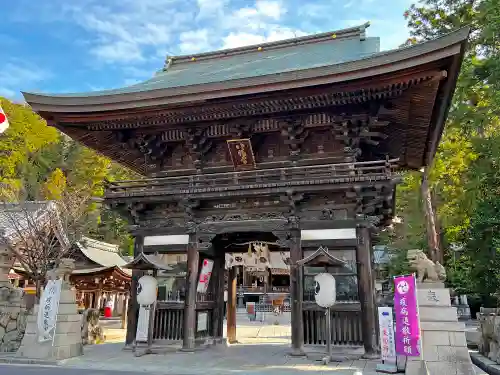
x,y
465,175
39,163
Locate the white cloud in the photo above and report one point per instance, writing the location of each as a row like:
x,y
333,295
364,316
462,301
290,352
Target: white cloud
x,y
16,76
125,32
269,8
194,41
211,8
240,39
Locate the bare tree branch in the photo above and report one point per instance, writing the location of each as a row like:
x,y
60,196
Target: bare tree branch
x,y
40,233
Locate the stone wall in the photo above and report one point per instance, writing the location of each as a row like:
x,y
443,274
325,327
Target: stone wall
x,y
489,327
13,310
12,328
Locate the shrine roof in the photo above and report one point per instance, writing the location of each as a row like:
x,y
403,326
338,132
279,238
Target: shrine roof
x,y
102,253
18,218
292,63
147,262
126,273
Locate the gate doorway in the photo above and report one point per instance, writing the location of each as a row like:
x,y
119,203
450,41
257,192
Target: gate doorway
x,y
256,287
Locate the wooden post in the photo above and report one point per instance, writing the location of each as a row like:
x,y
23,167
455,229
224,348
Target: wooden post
x,y
231,306
296,294
133,308
124,311
193,260
366,292
218,288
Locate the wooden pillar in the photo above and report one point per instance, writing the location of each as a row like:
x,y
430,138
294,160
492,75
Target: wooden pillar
x,y
133,307
296,293
218,290
124,312
366,291
99,296
231,305
193,260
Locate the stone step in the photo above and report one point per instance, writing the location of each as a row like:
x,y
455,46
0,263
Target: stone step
x,y
443,326
438,313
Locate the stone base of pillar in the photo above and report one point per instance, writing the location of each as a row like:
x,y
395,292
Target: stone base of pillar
x,y
295,352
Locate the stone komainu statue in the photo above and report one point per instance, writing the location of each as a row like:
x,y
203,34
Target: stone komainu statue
x,y
92,332
426,269
62,271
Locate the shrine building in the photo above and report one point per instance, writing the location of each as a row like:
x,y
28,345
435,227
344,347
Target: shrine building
x,y
295,144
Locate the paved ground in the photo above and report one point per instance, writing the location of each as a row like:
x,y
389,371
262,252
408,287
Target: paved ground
x,y
262,350
39,370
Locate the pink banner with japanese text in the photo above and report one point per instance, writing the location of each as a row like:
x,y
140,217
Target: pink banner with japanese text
x,y
406,313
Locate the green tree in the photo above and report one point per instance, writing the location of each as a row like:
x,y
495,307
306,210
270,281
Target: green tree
x,y
27,134
39,163
55,185
465,174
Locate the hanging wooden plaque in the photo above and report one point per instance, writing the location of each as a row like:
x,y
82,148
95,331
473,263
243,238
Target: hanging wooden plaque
x,y
241,154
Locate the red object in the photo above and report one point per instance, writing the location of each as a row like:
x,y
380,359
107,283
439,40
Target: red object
x,y
2,117
107,312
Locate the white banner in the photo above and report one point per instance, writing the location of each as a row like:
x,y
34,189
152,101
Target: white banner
x,y
205,274
47,311
387,341
142,325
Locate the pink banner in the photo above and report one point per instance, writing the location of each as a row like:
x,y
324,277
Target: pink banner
x,y
406,312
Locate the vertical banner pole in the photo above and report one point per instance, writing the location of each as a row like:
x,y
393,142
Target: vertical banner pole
x,y
329,333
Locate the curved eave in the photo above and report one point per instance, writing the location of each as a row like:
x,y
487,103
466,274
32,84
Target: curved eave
x,y
118,271
382,63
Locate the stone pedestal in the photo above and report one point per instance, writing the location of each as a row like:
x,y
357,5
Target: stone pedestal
x,y
67,340
444,348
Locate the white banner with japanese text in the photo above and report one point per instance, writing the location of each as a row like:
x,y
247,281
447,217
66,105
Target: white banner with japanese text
x,y
387,341
47,311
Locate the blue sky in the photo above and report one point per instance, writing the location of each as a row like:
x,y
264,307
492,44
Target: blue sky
x,y
86,45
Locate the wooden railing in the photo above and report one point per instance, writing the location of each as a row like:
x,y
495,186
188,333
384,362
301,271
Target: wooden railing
x,y
375,170
262,289
177,296
169,321
345,326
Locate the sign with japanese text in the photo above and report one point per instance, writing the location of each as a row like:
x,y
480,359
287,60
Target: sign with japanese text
x,y
386,325
407,319
241,152
47,311
205,274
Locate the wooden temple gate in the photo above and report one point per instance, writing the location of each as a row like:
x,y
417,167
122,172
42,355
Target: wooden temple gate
x,y
295,143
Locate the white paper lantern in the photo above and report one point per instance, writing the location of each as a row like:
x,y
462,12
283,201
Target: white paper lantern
x,y
325,292
147,290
